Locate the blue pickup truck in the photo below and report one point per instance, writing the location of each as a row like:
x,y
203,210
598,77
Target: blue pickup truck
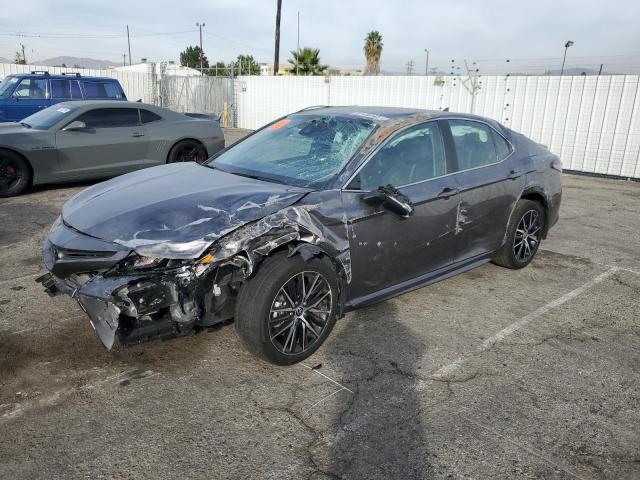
x,y
24,94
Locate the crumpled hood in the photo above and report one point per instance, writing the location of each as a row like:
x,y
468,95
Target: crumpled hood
x,y
180,202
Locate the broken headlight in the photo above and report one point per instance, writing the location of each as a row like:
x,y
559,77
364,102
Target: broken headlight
x,y
173,250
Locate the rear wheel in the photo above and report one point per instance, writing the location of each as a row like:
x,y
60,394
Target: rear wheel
x,y
187,151
15,175
288,309
524,233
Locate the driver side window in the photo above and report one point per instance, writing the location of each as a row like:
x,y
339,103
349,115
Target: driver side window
x,y
412,156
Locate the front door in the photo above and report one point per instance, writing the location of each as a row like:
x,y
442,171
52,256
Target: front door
x,y
490,181
387,249
29,96
113,142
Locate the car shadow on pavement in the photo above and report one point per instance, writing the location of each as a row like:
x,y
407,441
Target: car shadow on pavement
x,y
380,433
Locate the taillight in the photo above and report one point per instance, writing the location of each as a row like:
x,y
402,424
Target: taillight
x,y
556,164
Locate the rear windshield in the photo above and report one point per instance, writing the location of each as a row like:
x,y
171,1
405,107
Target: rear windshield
x,y
7,85
45,119
303,149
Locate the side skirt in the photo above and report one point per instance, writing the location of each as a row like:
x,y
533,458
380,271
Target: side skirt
x,y
418,282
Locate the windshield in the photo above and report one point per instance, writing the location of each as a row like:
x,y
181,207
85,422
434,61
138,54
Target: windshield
x,y
302,149
45,119
7,85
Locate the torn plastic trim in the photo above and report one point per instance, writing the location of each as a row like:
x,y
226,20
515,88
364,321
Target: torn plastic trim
x,y
288,225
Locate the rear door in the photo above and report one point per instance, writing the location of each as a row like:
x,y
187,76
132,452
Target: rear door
x,y
30,95
385,248
113,143
490,179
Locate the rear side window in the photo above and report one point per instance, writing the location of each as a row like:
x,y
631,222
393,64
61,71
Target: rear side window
x,y
474,143
412,156
147,117
502,146
110,117
96,89
65,89
31,88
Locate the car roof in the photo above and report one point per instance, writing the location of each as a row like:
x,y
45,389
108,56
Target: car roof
x,y
70,75
390,116
162,111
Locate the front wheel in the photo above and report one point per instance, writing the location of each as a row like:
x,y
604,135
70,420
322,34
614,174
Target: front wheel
x,y
15,175
288,309
524,233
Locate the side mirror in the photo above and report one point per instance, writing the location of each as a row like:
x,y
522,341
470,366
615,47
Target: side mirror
x,y
75,126
391,199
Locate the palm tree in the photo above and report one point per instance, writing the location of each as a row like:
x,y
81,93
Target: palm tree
x,y
307,61
372,52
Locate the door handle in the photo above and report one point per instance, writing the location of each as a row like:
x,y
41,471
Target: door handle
x,y
137,134
513,174
448,192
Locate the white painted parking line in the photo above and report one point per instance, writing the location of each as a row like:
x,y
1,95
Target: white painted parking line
x,y
446,370
15,279
55,397
33,329
526,448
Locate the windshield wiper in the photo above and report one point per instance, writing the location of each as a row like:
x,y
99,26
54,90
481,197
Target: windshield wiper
x,y
25,124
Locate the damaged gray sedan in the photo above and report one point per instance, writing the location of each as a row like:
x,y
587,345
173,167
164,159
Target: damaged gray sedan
x,y
318,213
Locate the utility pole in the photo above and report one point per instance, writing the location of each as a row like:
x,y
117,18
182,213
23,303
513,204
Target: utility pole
x,y
410,67
426,67
298,44
129,43
566,47
600,71
24,59
276,61
201,51
124,59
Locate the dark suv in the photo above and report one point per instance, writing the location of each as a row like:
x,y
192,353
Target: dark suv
x,y
24,94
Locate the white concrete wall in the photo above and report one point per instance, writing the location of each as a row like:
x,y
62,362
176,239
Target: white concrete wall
x,y
592,122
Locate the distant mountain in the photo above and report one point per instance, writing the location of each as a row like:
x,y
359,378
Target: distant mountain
x,y
71,61
5,60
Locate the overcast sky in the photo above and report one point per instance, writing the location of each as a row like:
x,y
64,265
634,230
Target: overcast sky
x,y
489,30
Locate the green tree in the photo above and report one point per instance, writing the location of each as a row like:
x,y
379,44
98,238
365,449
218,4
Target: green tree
x,y
191,58
372,52
219,69
246,65
306,62
19,60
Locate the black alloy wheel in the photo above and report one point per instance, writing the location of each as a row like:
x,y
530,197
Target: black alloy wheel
x,y
299,313
188,151
527,236
14,174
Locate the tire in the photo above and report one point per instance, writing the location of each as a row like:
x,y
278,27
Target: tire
x,y
257,325
518,252
187,151
15,174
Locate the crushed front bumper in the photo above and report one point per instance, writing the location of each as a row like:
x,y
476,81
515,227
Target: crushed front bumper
x,y
137,306
103,314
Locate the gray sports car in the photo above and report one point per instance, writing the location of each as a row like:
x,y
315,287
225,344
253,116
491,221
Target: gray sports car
x,y
98,139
